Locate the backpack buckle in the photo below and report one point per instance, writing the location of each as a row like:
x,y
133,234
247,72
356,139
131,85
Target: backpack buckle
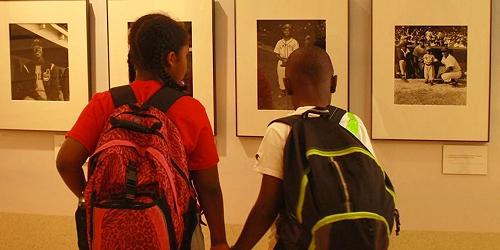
x,y
131,182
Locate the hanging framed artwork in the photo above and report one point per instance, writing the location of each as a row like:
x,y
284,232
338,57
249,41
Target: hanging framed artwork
x,y
268,29
197,18
45,53
431,70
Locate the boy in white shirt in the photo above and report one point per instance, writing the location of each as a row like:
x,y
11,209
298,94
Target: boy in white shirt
x,y
310,82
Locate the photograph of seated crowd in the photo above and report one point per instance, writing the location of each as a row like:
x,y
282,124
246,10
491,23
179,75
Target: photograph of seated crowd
x,y
276,40
430,56
39,62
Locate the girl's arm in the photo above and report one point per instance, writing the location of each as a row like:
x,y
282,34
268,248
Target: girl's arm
x,y
206,183
70,160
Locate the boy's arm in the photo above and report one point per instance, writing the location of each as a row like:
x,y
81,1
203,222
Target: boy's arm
x,y
207,186
263,213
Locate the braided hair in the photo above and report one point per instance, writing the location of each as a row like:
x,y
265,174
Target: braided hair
x,y
151,37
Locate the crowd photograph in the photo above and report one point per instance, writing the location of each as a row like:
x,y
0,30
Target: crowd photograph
x,y
430,56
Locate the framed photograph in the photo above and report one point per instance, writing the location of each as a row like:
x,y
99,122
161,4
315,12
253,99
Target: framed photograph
x,y
45,50
196,17
431,70
267,32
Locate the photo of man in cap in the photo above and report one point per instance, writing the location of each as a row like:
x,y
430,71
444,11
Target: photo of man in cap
x,y
403,55
452,70
276,40
38,79
284,47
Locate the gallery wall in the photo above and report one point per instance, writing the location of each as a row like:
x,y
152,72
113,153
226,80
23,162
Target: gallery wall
x,y
427,199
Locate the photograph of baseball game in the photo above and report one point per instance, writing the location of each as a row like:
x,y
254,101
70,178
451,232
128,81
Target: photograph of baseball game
x,y
276,40
430,66
39,61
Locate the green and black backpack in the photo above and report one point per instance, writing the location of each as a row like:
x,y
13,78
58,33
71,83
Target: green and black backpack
x,y
336,194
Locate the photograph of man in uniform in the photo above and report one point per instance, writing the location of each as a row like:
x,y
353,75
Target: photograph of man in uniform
x,y
451,68
276,40
36,76
284,47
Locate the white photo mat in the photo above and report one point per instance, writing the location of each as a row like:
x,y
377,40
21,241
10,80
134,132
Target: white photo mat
x,y
45,115
199,13
469,122
250,120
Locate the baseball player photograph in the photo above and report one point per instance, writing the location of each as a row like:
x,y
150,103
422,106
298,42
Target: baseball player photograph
x,y
276,40
39,62
430,65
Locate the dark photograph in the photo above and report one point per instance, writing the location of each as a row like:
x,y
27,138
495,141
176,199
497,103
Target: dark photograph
x,y
187,82
276,40
39,61
430,65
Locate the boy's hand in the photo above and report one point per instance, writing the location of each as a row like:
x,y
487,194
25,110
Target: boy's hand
x,y
222,246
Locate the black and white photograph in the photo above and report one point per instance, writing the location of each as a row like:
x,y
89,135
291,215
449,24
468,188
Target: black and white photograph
x,y
430,65
39,61
187,82
276,40
266,34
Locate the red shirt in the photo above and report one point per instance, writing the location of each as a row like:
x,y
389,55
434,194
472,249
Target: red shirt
x,y
187,113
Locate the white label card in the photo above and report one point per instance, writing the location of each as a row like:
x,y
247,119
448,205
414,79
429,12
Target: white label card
x,y
460,159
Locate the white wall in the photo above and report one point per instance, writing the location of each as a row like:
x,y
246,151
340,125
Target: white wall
x,y
428,200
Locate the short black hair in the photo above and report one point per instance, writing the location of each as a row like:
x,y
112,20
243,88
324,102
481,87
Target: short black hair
x,y
311,62
151,37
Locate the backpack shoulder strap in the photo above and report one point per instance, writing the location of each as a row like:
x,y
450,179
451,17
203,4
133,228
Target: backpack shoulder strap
x,y
288,120
336,113
164,98
122,95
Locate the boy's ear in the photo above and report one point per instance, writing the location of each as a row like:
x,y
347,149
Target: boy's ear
x,y
170,58
333,84
288,86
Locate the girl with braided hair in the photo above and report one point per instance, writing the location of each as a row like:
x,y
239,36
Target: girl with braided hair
x,y
158,53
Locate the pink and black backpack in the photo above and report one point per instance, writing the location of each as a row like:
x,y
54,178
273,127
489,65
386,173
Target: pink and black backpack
x,y
139,194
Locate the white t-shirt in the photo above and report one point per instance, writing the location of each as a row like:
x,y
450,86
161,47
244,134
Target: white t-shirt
x,y
269,157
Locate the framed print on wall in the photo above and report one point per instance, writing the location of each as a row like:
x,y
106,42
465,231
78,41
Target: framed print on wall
x,y
431,70
266,29
196,17
44,50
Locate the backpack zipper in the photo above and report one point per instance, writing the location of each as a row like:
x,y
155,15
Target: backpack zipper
x,y
345,189
350,150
